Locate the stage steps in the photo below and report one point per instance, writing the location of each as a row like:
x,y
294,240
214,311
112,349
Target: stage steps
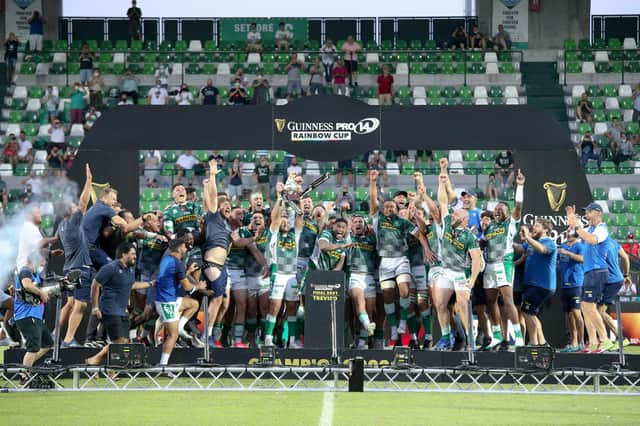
x,y
543,90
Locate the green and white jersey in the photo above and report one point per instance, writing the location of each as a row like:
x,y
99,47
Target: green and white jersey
x,y
251,266
308,237
237,256
283,251
456,245
416,254
362,256
327,260
434,237
392,235
150,252
500,236
179,216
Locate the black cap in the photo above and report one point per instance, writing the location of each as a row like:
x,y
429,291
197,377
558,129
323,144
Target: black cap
x,y
401,192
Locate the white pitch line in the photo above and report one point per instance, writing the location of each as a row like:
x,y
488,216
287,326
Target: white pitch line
x,y
326,416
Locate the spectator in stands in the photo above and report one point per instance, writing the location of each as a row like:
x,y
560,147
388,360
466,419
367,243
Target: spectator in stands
x,y
4,193
91,117
345,203
340,73
344,165
25,150
134,14
502,39
28,196
328,53
584,109
351,48
237,94
152,166
316,79
54,161
377,162
184,96
476,39
401,158
294,168
283,37
385,86
631,246
492,188
11,46
158,95
10,152
458,38
124,100
86,63
235,181
505,167
423,154
56,135
240,77
294,82
621,151
628,289
615,130
34,182
96,88
36,30
254,39
186,162
261,93
162,72
209,94
129,86
77,103
69,157
588,151
636,104
262,175
51,99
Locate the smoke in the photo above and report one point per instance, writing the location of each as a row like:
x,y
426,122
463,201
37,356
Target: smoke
x,y
57,193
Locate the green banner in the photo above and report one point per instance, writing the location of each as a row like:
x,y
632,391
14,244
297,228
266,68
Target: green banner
x,y
236,29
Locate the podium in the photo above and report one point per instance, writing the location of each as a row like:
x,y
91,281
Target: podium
x,y
324,310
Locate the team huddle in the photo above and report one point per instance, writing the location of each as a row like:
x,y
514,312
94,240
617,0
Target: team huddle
x,y
412,259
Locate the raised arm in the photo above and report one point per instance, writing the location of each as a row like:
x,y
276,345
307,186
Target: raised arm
x,y
443,180
374,205
212,187
277,208
423,197
517,211
537,246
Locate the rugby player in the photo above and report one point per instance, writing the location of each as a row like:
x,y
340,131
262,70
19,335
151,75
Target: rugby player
x,y
182,213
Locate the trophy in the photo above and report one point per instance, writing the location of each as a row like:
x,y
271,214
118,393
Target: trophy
x,y
293,192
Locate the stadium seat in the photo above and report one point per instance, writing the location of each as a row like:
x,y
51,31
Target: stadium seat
x,y
402,69
481,101
223,69
20,92
577,91
372,58
59,58
480,92
629,43
6,170
419,101
419,92
598,194
600,128
633,128
492,68
615,194
195,46
455,156
632,193
490,57
602,57
618,206
588,68
40,156
634,206
611,103
510,92
624,90
253,58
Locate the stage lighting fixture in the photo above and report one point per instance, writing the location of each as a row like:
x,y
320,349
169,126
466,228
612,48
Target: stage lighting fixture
x,y
402,357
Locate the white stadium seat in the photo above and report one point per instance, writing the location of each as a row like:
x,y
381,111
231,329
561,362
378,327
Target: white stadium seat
x,y
481,101
456,169
492,68
510,92
176,68
118,58
13,128
40,156
629,43
419,101
611,103
455,156
490,57
577,91
402,69
372,58
253,58
312,168
223,69
602,57
281,102
512,101
42,69
628,115
6,170
393,169
39,170
43,132
20,92
480,92
59,58
373,101
46,208
600,128
615,194
33,105
419,92
604,205
302,57
588,68
625,91
77,130
195,46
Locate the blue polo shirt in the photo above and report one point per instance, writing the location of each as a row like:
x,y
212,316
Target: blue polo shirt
x,y
96,218
74,243
572,272
613,262
540,269
24,310
116,281
172,271
595,255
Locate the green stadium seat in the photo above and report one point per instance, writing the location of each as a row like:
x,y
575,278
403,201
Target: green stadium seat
x,y
626,103
599,116
614,114
465,92
633,67
181,45
30,129
506,68
619,220
634,206
495,92
193,68
408,169
632,193
476,68
584,128
169,157
148,195
571,56
603,67
599,194
471,156
614,43
105,58
329,195
164,195
417,68
361,194
27,68
21,169
573,68
586,55
430,45
496,101
136,45
168,169
569,44
31,117
74,68
436,101
432,69
617,206
610,91
15,117
434,92
633,128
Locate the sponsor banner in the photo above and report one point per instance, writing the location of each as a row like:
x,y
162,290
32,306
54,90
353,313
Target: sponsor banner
x,y
514,16
324,293
16,14
236,29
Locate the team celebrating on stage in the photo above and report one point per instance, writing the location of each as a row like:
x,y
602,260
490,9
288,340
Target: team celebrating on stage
x,y
413,260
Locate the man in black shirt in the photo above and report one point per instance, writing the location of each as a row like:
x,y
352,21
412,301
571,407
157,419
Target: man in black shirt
x,y
262,175
209,94
584,109
134,14
505,168
588,152
11,46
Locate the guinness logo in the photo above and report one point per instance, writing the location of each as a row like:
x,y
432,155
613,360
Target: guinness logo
x,y
280,122
556,193
98,187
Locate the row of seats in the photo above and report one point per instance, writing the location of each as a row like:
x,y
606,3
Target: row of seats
x,y
589,67
612,43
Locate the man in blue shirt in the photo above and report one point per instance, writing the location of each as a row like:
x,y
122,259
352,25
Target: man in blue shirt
x,y
29,301
539,275
595,272
171,278
116,279
572,276
616,279
76,256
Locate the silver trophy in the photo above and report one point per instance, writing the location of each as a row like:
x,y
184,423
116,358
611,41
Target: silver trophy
x,y
293,192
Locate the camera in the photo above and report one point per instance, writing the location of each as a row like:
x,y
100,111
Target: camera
x,y
55,285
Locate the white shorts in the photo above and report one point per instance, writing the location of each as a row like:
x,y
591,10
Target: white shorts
x,y
452,280
285,286
391,267
258,285
419,274
4,297
168,311
365,282
497,275
238,279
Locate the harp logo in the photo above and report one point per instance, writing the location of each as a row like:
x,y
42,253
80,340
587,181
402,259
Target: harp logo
x,y
556,193
280,123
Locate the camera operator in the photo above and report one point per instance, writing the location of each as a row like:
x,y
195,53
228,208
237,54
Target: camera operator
x,y
29,302
116,279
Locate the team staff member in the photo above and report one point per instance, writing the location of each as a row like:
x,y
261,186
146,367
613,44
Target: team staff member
x,y
595,273
173,275
539,275
76,256
617,278
570,260
116,279
29,301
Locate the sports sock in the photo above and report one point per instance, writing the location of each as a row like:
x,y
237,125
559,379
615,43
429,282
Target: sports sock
x,y
446,331
182,322
517,330
164,359
412,324
292,323
390,310
378,333
263,325
364,319
497,332
252,324
269,325
217,331
405,302
238,332
426,322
